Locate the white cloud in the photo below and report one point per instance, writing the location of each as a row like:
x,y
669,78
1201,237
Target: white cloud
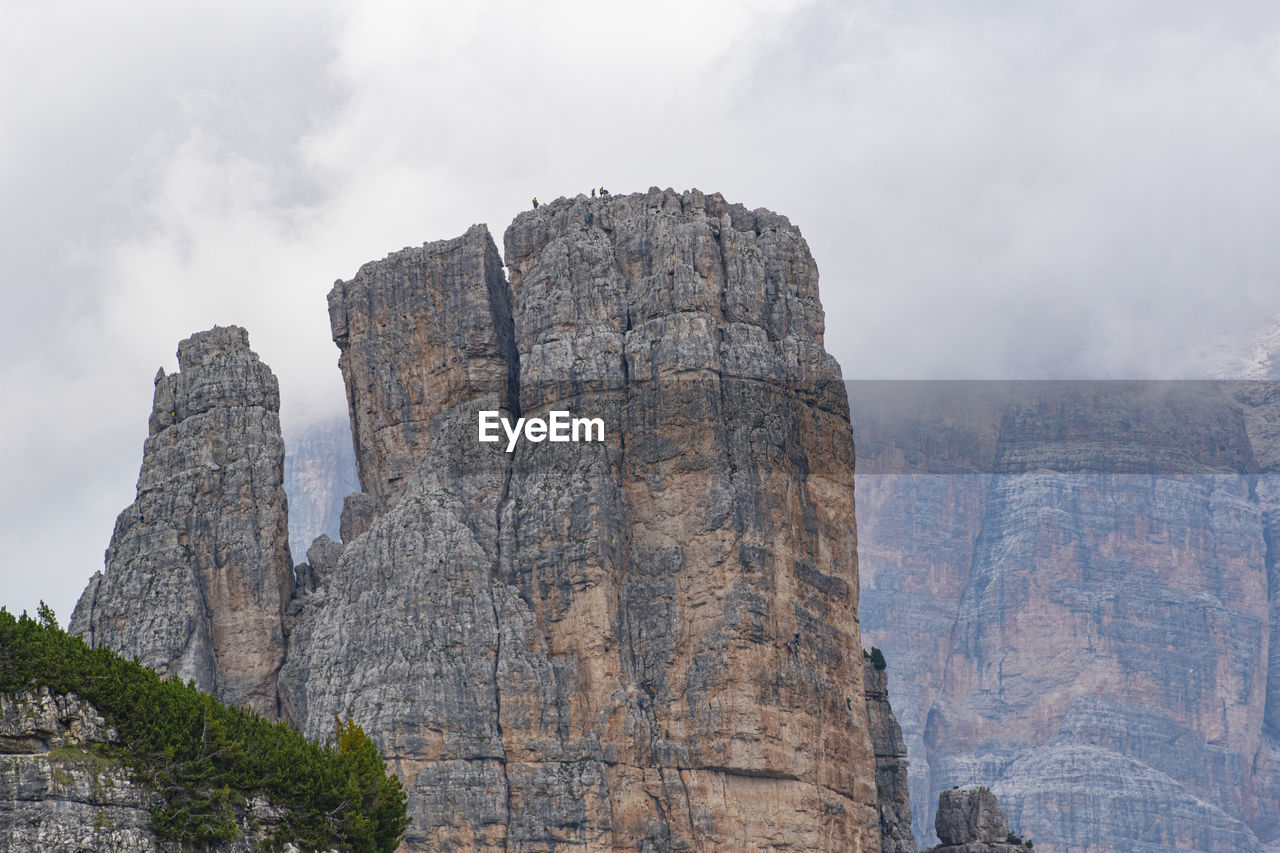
x,y
989,189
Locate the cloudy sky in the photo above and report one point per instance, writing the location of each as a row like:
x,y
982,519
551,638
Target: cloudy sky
x,y
1067,189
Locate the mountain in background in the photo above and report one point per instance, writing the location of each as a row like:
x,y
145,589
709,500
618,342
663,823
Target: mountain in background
x,y
1074,585
319,472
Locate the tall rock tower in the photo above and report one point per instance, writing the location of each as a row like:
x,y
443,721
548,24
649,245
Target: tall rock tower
x,y
648,642
198,572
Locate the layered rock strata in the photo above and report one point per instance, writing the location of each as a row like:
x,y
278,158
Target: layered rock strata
x,y
644,643
64,788
1086,601
198,572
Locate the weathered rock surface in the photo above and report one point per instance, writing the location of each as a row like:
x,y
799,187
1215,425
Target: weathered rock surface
x,y
969,820
968,815
1088,613
64,788
893,802
584,646
198,572
424,325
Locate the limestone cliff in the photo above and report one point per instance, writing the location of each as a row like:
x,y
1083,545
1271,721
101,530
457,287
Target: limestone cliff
x,y
426,325
1075,592
198,572
646,643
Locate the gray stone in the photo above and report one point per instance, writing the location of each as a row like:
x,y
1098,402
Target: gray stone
x,y
198,572
893,801
584,646
971,814
423,325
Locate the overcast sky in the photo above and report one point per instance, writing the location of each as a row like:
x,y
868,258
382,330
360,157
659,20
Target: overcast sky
x,y
1073,189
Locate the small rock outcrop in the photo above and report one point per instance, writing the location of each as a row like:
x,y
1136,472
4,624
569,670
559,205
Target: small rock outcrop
x,y
969,820
893,802
198,573
968,815
58,791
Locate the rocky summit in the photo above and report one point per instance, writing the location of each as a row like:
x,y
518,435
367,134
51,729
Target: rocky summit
x,y
648,642
198,572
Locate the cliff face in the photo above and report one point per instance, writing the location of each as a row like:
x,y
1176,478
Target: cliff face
x,y
644,643
1097,621
198,572
64,788
425,326
56,791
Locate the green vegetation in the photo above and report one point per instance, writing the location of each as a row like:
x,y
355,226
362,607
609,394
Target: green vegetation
x,y
208,760
877,659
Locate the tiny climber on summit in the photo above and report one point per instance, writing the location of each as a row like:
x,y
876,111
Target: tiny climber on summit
x,y
535,202
593,192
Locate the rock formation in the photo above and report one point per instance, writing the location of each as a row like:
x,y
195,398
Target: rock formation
x,y
969,820
893,803
62,788
198,572
425,325
644,643
1075,592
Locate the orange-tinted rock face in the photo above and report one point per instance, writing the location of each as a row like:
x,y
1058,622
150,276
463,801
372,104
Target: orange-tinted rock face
x,y
1094,627
645,643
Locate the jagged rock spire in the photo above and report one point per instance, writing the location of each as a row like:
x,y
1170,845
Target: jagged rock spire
x,y
198,572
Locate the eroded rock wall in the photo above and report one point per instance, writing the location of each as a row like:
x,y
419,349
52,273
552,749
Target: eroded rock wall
x,y
198,572
425,325
1103,661
647,643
